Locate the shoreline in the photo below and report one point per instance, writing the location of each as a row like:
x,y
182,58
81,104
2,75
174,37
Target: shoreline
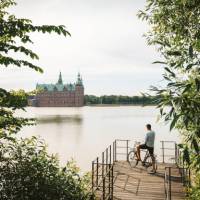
x,y
117,105
96,105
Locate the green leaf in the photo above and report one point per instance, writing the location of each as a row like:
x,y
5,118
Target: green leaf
x,y
186,155
159,62
188,67
197,83
168,70
187,88
174,121
174,53
181,146
195,145
197,133
166,77
191,52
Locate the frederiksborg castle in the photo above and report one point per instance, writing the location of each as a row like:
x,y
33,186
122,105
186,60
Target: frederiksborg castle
x,y
59,94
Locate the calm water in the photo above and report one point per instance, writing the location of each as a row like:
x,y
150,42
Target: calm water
x,y
83,133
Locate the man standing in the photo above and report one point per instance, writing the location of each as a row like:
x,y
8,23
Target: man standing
x,y
149,145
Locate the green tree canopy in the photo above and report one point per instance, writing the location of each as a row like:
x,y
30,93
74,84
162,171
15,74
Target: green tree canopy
x,y
174,30
14,37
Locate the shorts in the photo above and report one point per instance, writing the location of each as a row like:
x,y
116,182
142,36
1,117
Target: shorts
x,y
150,149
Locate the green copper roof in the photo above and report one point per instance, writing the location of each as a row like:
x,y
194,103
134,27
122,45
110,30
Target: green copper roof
x,y
59,86
55,87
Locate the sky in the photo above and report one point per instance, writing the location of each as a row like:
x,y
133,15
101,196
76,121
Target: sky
x,y
107,47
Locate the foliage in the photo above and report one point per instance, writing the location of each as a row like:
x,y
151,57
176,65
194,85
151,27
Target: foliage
x,y
14,37
194,192
174,30
119,99
28,172
9,123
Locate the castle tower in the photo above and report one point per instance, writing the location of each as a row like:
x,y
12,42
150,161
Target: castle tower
x,y
79,92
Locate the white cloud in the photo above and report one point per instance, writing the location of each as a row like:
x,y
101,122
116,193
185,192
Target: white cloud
x,y
106,45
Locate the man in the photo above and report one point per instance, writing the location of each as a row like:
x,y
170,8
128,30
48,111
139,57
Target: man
x,y
149,145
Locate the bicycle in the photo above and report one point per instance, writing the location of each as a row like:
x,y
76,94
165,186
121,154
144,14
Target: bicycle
x,y
146,161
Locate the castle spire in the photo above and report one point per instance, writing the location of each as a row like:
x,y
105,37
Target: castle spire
x,y
79,80
60,79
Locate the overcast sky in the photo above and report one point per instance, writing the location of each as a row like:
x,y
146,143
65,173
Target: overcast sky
x,y
106,46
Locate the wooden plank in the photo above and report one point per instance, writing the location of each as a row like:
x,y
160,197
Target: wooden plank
x,y
136,183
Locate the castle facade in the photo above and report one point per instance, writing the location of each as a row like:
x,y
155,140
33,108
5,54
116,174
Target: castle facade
x,y
59,94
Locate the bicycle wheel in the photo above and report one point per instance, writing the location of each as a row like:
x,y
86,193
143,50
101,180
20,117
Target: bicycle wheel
x,y
149,164
132,159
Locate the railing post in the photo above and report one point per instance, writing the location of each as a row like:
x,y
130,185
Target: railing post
x,y
97,179
110,149
176,154
165,178
189,177
106,160
170,186
112,182
115,150
109,180
102,164
103,178
104,188
163,152
92,176
127,150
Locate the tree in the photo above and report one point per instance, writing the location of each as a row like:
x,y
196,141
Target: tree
x,y
174,30
14,36
27,170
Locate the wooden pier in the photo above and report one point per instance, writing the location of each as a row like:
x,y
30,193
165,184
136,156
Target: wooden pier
x,y
136,183
114,179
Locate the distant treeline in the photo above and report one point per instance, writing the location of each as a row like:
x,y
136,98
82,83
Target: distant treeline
x,y
119,99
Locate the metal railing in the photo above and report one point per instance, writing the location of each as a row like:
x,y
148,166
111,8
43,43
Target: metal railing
x,y
168,149
103,169
184,178
180,165
168,184
121,149
183,167
103,175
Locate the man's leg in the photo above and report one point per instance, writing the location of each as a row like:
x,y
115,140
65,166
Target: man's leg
x,y
153,162
139,147
151,152
138,153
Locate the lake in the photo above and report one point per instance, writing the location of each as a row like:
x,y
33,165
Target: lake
x,y
83,133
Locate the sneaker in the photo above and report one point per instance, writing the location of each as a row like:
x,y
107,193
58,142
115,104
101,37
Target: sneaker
x,y
152,172
143,163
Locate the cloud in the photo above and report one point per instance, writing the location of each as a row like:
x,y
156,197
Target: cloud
x,y
106,42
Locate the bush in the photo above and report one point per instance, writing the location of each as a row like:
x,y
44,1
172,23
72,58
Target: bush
x,y
28,172
194,191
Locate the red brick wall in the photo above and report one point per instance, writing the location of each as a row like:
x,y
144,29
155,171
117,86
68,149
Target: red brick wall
x,y
61,99
79,96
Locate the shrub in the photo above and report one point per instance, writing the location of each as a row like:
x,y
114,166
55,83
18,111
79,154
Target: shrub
x,y
29,172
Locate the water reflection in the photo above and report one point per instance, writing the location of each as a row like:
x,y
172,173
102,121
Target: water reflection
x,y
83,133
59,119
